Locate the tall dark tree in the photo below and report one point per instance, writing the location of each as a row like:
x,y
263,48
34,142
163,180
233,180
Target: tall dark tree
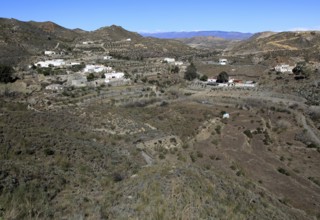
x,y
6,74
302,71
191,72
204,78
90,77
223,77
175,69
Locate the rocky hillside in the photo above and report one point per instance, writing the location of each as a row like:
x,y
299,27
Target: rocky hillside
x,y
273,42
112,33
122,43
19,40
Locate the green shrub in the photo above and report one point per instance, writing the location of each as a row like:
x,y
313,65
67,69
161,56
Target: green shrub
x,y
162,156
117,177
218,129
193,157
314,180
191,72
283,171
312,145
199,154
248,133
185,145
49,151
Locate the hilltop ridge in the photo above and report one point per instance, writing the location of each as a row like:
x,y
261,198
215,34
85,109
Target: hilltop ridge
x,y
19,40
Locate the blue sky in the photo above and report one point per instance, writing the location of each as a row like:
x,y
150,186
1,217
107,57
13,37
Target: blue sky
x,y
170,15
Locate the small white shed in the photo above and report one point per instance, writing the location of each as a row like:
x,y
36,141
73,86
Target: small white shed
x,y
223,61
226,115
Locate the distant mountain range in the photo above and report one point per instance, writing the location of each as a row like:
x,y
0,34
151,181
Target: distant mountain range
x,y
221,34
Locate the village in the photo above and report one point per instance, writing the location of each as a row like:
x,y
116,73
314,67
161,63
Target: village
x,y
85,72
96,69
90,68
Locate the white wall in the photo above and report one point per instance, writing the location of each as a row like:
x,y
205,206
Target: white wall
x,y
113,76
55,63
223,61
96,68
169,60
49,52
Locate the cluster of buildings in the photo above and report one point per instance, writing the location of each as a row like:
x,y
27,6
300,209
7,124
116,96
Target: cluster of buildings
x,y
283,68
51,63
223,61
172,61
232,83
102,74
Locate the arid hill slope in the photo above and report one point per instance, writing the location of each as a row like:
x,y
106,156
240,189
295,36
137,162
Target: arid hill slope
x,y
272,42
19,40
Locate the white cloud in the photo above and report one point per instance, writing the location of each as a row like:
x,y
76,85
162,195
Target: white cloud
x,y
317,28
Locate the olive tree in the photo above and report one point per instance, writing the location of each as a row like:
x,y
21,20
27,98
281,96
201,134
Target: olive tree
x,y
6,74
223,77
191,72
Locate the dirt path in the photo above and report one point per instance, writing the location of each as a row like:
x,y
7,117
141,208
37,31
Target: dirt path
x,y
147,158
56,47
283,46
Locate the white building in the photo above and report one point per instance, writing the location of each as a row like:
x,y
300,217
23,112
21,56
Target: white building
x,y
113,76
231,80
129,39
54,87
48,63
212,80
107,57
87,42
49,53
75,63
169,60
79,82
226,115
96,68
245,85
178,63
283,68
223,61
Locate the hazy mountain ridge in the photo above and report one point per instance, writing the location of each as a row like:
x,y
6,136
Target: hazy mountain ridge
x,y
221,34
